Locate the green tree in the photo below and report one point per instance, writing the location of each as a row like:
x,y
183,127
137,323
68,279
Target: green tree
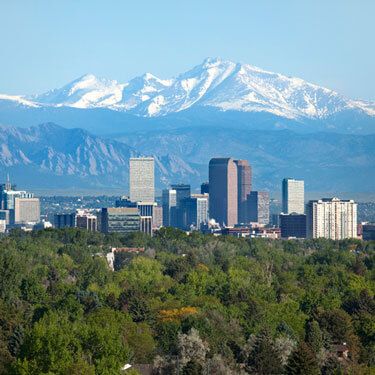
x,y
302,361
264,359
314,336
192,368
51,345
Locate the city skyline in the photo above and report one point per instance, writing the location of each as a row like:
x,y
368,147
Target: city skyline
x,y
187,187
227,203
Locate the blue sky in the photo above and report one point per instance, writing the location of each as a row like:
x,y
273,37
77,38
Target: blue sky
x,y
45,44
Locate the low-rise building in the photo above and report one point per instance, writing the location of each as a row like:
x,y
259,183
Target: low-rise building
x,y
293,225
120,220
368,232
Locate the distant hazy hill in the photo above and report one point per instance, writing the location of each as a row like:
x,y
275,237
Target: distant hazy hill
x,y
49,156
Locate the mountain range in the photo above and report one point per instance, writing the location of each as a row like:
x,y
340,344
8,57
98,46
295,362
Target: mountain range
x,y
283,125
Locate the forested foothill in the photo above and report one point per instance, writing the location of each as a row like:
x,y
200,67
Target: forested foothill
x,y
187,304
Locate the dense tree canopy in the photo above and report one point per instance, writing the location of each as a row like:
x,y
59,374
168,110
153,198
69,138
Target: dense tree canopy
x,y
190,304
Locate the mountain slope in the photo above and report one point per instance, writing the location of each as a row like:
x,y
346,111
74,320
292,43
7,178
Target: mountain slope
x,y
50,157
216,83
86,160
327,162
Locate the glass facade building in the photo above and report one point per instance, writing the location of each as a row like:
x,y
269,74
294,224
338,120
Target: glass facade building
x,y
120,220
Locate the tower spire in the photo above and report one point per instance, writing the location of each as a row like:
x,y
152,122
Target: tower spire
x,y
8,185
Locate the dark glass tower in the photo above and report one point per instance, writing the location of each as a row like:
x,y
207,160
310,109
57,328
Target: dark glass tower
x,y
223,204
244,175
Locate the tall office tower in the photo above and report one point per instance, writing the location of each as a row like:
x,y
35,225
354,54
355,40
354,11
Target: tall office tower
x,y
244,188
205,188
142,178
120,220
293,196
331,218
223,191
4,188
169,201
293,225
9,197
195,211
26,210
157,217
259,207
182,192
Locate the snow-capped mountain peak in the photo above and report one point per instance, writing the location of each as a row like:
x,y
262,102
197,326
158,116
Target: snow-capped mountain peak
x,y
215,83
85,92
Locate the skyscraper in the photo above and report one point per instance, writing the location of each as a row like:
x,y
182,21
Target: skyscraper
x,y
293,196
157,217
142,187
223,191
205,188
169,202
244,188
259,207
331,218
26,210
195,211
182,192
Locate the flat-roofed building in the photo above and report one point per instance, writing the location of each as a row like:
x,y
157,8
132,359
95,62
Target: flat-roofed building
x,y
5,215
169,202
293,196
3,226
331,218
141,181
120,220
259,207
26,210
86,220
368,232
244,176
195,211
293,225
223,184
157,217
67,220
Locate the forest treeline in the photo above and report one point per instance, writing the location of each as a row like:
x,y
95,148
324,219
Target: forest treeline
x,y
189,304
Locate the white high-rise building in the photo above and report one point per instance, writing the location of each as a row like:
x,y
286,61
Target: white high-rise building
x,y
142,184
331,218
26,210
293,196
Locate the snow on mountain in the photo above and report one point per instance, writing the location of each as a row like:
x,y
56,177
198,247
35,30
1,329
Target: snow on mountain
x,y
87,91
20,100
215,83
